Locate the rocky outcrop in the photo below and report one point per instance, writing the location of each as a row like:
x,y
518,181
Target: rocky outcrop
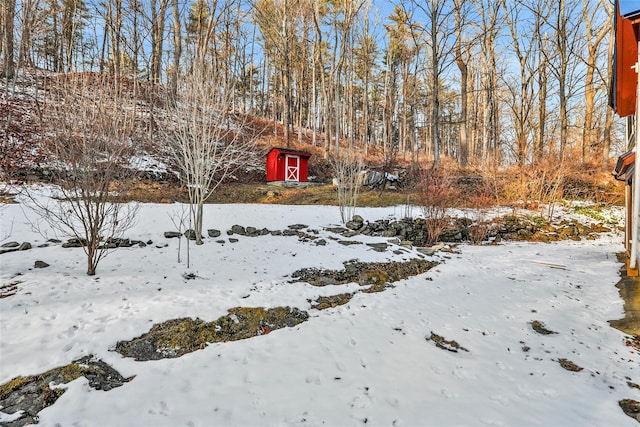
x,y
34,393
15,247
511,227
177,337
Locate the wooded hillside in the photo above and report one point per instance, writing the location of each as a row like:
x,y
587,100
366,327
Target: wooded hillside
x,y
476,81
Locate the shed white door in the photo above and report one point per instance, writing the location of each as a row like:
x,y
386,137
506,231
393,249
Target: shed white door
x,y
292,170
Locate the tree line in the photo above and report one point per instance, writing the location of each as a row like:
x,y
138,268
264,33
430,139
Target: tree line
x,y
507,81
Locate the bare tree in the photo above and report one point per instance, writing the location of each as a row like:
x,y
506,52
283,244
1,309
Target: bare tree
x,y
90,144
438,32
521,90
594,36
209,142
347,165
461,58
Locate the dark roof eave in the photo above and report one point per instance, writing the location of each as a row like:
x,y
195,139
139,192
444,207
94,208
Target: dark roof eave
x,y
624,166
291,151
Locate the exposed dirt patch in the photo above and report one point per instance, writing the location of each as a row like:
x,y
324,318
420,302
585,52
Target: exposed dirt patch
x,y
445,344
569,365
631,408
177,337
8,290
322,303
540,328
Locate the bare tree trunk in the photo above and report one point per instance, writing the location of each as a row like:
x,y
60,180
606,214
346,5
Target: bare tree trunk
x,y
157,35
464,75
8,16
561,37
608,124
589,135
435,93
29,15
542,101
115,22
323,80
177,52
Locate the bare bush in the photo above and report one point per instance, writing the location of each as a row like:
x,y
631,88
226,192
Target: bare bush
x,y
89,144
347,166
479,228
538,188
208,142
436,193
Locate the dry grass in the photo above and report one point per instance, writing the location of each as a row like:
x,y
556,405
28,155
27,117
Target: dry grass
x,y
168,192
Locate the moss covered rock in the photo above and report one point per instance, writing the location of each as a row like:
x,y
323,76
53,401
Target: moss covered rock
x,y
32,394
177,337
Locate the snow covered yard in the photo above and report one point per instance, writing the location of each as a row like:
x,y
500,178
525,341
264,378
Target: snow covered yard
x,y
368,362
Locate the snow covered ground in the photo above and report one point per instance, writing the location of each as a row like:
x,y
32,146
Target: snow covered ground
x,y
364,363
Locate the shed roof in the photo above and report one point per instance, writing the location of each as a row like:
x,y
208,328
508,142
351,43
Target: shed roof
x,y
629,9
290,151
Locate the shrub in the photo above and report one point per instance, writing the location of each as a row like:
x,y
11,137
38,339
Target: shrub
x,y
436,194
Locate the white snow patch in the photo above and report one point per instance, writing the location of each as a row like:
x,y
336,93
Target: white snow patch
x,y
366,361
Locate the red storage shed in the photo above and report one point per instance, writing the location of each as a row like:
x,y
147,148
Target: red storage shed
x,y
624,99
284,164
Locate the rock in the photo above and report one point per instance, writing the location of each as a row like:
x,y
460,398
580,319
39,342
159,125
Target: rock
x,y
350,233
406,244
172,234
631,408
389,233
430,250
213,233
177,337
569,365
238,229
24,246
190,234
232,240
40,264
290,232
378,247
10,245
321,242
353,225
540,328
349,242
443,343
251,231
337,230
32,394
74,243
297,226
323,303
